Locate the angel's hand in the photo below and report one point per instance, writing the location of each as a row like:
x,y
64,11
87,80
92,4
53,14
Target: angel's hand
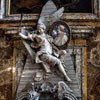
x,y
23,36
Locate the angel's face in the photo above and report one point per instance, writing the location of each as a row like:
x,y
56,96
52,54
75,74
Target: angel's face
x,y
40,29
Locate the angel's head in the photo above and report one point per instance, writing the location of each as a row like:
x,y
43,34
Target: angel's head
x,y
41,28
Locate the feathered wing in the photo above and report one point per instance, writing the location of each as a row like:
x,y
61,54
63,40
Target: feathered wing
x,y
50,14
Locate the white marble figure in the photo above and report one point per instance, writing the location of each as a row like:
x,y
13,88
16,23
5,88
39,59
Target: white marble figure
x,y
45,50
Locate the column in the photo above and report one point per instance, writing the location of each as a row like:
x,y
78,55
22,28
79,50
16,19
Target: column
x,y
2,9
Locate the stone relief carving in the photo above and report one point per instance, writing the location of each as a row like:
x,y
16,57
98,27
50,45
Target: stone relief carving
x,y
64,92
43,44
44,54
48,90
60,32
47,52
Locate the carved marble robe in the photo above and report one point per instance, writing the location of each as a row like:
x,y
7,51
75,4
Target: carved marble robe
x,y
40,41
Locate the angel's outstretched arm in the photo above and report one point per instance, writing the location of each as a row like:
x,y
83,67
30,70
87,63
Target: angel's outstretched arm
x,y
23,36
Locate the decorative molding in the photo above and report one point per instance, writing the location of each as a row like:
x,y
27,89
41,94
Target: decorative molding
x,y
74,29
67,16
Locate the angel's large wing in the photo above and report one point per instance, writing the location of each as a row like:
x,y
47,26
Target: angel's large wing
x,y
50,14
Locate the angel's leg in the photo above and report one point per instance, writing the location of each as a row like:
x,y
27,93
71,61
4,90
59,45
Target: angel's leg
x,y
51,60
61,68
44,63
46,67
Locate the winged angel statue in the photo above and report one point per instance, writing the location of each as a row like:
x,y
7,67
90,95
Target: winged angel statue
x,y
41,48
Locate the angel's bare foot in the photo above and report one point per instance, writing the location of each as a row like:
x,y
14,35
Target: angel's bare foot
x,y
68,79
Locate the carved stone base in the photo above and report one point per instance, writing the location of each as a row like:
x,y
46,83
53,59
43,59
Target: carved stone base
x,y
22,96
49,91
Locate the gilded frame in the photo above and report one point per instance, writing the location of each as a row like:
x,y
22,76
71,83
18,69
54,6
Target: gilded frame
x,y
54,28
86,16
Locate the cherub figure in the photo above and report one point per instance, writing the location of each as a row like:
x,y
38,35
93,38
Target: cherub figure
x,y
44,50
